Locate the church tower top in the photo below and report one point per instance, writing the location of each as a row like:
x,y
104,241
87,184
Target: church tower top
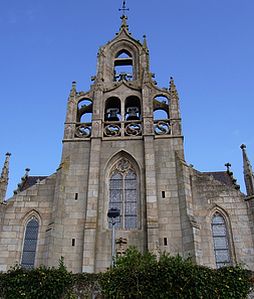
x,y
124,100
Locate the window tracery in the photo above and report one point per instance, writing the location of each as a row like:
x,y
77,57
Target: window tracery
x,y
220,241
30,243
123,194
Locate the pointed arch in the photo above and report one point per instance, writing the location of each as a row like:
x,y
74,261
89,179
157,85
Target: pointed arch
x,y
31,231
221,235
123,190
125,58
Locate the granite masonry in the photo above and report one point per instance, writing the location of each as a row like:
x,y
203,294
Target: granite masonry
x,y
123,148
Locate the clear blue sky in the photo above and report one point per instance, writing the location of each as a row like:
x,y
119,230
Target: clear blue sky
x,y
207,46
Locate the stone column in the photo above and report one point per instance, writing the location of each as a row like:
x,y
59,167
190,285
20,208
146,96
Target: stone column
x,y
151,195
90,228
190,227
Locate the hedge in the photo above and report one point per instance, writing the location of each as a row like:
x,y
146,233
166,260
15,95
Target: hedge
x,y
135,275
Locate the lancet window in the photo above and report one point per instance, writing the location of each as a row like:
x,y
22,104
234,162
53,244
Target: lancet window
x,y
123,66
30,243
84,118
220,241
123,194
161,115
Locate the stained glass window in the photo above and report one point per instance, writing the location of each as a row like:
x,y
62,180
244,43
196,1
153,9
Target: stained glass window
x,y
30,243
220,241
123,195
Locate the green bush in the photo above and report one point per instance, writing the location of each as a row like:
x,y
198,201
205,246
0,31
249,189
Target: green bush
x,y
39,283
135,275
142,276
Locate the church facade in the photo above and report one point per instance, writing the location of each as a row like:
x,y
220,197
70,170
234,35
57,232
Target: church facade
x,y
123,148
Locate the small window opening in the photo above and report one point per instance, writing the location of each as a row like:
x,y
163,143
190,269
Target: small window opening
x,y
76,196
161,108
113,109
84,111
163,194
165,241
73,242
132,108
123,66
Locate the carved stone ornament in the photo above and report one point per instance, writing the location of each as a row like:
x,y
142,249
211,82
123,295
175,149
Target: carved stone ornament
x,y
123,165
112,130
83,131
133,129
161,128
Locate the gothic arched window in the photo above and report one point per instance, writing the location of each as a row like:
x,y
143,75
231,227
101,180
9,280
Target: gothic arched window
x,y
220,241
30,243
123,194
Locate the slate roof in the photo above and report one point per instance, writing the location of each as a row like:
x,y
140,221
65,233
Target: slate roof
x,y
221,176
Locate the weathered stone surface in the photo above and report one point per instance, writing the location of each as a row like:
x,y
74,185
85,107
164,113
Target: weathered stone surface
x,y
175,203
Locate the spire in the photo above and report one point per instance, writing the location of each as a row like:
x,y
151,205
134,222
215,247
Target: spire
x,y
248,173
124,17
4,178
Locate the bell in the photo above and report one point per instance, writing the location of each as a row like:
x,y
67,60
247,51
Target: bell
x,y
132,113
112,114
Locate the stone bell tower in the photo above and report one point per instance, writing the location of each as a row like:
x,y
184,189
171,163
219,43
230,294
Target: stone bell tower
x,y
120,145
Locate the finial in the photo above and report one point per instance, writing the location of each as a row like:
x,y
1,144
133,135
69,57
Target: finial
x,y
27,171
73,88
172,87
228,165
144,41
243,146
